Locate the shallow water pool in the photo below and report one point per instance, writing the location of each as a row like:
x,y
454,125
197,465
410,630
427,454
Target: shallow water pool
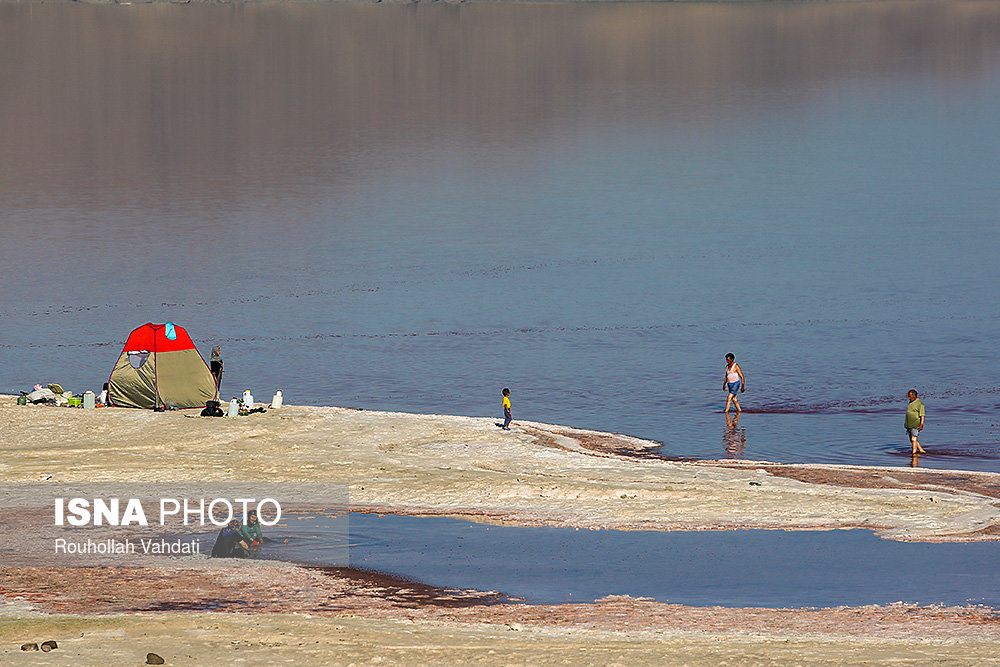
x,y
747,568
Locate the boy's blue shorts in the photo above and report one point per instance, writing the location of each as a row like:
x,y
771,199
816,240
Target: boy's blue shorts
x,y
734,387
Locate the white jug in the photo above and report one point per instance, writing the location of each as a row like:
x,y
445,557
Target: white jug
x,y
276,401
234,408
88,400
247,400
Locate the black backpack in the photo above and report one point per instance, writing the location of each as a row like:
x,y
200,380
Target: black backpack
x,y
212,409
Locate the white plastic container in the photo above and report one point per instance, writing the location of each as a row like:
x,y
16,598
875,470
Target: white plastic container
x,y
234,408
88,400
276,400
247,400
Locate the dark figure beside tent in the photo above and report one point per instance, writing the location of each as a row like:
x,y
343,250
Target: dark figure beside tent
x,y
216,363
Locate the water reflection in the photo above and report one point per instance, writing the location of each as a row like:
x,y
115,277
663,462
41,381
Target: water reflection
x,y
734,438
225,101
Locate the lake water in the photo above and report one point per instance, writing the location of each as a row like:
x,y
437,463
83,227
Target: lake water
x,y
409,207
742,568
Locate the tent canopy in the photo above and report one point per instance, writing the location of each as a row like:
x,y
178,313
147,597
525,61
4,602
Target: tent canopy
x,y
159,367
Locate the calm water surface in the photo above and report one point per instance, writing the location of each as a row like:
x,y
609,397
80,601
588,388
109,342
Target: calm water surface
x,y
410,207
742,568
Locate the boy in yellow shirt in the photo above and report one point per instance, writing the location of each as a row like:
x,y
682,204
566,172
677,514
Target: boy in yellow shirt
x,y
506,409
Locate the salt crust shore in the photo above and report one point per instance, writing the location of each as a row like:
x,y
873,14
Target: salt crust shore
x,y
273,613
536,474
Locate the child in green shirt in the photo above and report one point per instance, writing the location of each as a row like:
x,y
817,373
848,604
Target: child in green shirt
x,y
251,530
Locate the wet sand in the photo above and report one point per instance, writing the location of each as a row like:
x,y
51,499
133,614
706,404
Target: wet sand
x,y
268,613
537,474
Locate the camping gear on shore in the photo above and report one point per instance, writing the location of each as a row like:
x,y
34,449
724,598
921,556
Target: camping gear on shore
x,y
41,395
53,394
276,400
160,368
50,396
212,409
246,404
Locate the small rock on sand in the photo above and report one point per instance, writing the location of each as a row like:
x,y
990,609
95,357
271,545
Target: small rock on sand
x,y
153,659
30,646
49,645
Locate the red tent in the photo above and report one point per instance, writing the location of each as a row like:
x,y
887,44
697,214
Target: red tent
x,y
160,367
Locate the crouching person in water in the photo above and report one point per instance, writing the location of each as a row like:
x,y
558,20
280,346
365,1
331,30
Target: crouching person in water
x,y
230,543
251,532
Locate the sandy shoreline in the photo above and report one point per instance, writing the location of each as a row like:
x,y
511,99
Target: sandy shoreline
x,y
538,474
188,639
